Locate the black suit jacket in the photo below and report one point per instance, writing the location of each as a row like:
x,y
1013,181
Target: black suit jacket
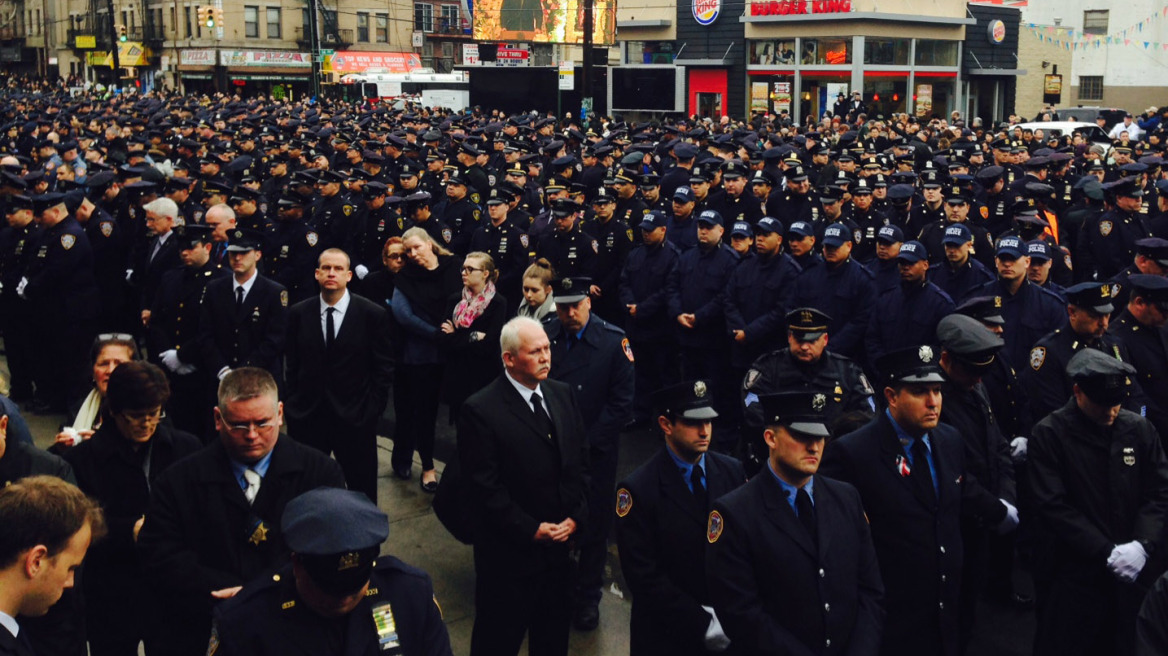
x,y
662,541
918,545
776,590
148,272
251,337
352,376
518,476
199,530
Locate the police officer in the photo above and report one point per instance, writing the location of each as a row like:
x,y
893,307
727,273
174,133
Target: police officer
x,y
884,267
1108,243
594,357
957,206
958,272
293,246
630,209
1140,328
909,312
1100,483
338,595
682,219
18,245
737,203
969,349
1089,306
376,221
774,584
841,288
915,500
804,366
661,511
173,335
570,250
419,210
614,239
643,291
868,219
331,215
504,242
461,212
1151,258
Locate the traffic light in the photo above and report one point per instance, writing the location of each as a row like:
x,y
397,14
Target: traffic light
x,y
217,15
122,33
210,17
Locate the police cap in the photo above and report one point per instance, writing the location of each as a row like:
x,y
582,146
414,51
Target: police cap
x,y
1151,288
603,196
1094,296
685,150
801,229
499,196
337,535
1154,248
242,240
796,174
968,339
46,201
710,217
1010,247
990,174
653,220
570,290
912,252
1038,250
1125,187
957,234
807,324
801,413
192,235
563,207
768,224
692,400
987,309
836,234
741,229
900,193
733,169
915,364
18,202
1103,378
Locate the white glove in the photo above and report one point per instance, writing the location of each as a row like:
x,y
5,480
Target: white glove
x,y
1010,522
1018,448
716,639
129,274
170,359
185,369
1126,560
361,270
223,372
20,287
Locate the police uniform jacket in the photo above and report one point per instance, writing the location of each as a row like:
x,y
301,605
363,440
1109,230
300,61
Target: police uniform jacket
x,y
201,534
291,249
918,545
1045,378
958,282
682,234
643,283
508,247
436,228
987,452
373,228
1149,355
174,316
252,336
757,299
675,177
907,316
111,249
332,219
983,244
614,240
571,253
920,216
699,287
61,284
17,248
745,207
1030,314
1151,629
778,591
462,217
1107,243
869,224
661,536
399,611
845,293
598,366
630,211
841,380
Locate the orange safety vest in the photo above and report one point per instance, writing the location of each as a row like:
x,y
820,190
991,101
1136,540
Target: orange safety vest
x,y
1052,229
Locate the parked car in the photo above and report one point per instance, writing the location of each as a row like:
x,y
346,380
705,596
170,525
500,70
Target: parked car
x,y
1111,115
1091,132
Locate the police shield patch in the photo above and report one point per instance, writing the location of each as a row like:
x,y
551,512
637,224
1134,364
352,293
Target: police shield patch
x,y
714,527
1105,228
312,238
347,209
751,378
624,502
284,298
447,235
627,349
107,228
985,212
595,246
1037,357
67,241
523,239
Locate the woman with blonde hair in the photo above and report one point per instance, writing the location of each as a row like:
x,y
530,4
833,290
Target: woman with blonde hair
x,y
429,277
475,318
537,290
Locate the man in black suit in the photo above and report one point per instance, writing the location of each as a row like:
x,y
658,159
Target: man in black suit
x,y
214,517
661,527
910,471
158,255
244,319
339,367
523,450
791,564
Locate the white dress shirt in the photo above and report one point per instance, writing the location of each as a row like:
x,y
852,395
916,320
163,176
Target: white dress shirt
x,y
341,308
235,285
526,393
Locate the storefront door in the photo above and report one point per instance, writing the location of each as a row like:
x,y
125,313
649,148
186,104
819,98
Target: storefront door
x,y
707,92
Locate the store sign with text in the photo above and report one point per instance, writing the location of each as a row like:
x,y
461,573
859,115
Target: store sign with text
x,y
799,7
705,12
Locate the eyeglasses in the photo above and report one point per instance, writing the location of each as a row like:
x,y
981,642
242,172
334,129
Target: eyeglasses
x,y
467,269
247,427
395,256
143,418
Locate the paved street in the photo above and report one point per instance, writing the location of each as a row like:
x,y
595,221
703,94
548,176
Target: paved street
x,y
417,537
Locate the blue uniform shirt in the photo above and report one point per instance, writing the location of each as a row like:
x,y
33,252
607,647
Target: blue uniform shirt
x,y
260,467
791,490
687,469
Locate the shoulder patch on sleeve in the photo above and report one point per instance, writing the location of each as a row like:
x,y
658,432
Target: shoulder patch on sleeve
x,y
628,349
624,502
985,212
714,527
347,209
284,298
312,238
751,378
213,644
866,385
1037,357
67,241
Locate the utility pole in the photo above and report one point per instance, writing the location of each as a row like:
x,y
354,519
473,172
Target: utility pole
x,y
113,38
314,48
586,96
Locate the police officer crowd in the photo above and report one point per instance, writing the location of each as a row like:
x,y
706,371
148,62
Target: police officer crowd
x,y
895,366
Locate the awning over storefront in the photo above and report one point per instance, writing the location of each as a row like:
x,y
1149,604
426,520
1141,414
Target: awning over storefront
x,y
991,72
130,53
285,77
355,61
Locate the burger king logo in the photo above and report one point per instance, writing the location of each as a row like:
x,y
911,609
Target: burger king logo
x,y
705,12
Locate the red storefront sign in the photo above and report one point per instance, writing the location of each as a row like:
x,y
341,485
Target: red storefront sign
x,y
354,61
796,7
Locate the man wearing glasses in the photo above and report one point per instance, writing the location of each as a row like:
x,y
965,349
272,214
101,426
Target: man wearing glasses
x,y
214,518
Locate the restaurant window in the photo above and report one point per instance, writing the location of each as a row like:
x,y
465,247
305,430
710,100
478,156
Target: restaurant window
x,y
273,22
931,52
363,27
382,28
933,96
251,22
649,52
885,95
826,51
886,52
771,53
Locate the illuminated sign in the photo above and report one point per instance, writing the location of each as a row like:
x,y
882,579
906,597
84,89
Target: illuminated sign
x,y
796,7
706,12
996,32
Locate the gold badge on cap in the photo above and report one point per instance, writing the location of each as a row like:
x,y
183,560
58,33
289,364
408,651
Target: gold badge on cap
x,y
997,301
349,561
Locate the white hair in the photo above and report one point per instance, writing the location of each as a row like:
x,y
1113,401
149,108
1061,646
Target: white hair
x,y
163,207
509,341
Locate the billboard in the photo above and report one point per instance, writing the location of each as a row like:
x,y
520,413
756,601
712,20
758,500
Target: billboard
x,y
543,21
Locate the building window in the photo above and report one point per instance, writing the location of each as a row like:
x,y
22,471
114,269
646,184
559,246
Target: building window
x,y
770,53
363,27
1090,87
886,52
187,19
39,25
424,17
382,27
251,22
450,24
827,51
936,53
273,22
1095,22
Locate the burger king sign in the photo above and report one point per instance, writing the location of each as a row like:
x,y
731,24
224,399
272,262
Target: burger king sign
x,y
705,12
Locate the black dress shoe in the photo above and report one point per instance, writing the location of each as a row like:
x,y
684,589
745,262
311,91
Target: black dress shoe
x,y
403,473
586,618
429,488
